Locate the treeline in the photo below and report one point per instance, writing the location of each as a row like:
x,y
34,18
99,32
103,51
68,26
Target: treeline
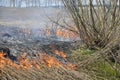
x,y
30,3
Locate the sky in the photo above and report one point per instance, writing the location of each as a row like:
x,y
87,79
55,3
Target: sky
x,y
43,2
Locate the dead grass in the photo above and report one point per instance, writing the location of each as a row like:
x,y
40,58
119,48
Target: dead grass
x,y
45,73
94,65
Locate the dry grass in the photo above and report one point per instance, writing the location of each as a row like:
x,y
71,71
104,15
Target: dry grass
x,y
45,73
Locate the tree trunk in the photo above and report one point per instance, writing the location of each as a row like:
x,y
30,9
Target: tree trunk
x,y
13,3
39,3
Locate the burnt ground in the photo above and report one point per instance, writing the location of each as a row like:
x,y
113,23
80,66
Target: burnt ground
x,y
13,47
14,30
14,42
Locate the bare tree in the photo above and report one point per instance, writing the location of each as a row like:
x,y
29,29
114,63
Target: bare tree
x,y
39,1
14,3
98,25
97,22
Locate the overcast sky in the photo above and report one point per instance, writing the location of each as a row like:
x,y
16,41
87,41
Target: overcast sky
x,y
43,3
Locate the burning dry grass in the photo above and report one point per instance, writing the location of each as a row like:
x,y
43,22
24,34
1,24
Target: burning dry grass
x,y
45,67
60,53
22,63
61,32
25,63
50,61
66,33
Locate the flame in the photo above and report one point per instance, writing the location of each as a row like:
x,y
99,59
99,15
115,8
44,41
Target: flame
x,y
50,61
25,63
71,66
1,60
35,63
60,53
4,61
2,55
66,34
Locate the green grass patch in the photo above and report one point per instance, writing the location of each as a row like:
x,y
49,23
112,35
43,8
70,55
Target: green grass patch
x,y
102,70
98,70
79,55
86,51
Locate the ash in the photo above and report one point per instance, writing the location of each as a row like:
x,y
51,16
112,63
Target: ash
x,y
14,41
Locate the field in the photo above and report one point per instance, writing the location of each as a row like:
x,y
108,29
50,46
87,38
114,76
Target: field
x,y
33,47
26,48
30,17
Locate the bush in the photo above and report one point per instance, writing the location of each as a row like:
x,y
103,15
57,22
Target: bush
x,y
97,24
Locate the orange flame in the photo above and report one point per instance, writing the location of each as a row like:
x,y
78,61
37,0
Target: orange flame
x,y
66,34
25,63
4,61
1,60
71,66
50,61
60,53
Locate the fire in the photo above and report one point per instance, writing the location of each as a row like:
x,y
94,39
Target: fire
x,y
1,60
50,61
35,63
71,66
5,61
1,55
25,63
60,53
60,32
66,34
